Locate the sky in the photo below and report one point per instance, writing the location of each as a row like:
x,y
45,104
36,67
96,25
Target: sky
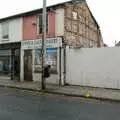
x,y
106,12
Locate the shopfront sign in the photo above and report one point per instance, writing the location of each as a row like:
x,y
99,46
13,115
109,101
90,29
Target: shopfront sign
x,y
35,44
15,45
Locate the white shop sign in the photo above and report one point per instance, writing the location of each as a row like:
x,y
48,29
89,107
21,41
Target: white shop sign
x,y
35,44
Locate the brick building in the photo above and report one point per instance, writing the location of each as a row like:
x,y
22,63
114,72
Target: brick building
x,y
68,24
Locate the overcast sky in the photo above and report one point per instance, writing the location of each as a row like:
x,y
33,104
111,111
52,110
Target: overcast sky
x,y
105,12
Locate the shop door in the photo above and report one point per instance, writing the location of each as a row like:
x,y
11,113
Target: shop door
x,y
28,65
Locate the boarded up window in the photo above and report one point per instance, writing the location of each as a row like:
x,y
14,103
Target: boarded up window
x,y
90,34
68,12
80,17
68,25
81,40
87,22
74,26
80,28
87,32
74,15
83,29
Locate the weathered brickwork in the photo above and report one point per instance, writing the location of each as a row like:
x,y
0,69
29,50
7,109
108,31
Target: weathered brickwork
x,y
80,28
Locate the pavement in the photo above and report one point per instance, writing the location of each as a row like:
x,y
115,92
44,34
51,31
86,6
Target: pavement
x,y
86,92
22,105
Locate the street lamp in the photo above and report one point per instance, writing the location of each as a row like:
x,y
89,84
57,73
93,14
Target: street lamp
x,y
43,44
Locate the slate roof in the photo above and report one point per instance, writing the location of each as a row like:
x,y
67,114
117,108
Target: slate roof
x,y
38,11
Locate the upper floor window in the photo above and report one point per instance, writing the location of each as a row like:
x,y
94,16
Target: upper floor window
x,y
74,15
5,30
41,25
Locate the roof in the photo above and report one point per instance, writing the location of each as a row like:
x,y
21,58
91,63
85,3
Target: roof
x,y
37,11
92,16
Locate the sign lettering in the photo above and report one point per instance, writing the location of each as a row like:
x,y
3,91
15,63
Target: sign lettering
x,y
50,43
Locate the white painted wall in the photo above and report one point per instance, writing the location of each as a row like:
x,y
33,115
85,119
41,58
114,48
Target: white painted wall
x,y
15,31
0,32
96,67
59,22
22,65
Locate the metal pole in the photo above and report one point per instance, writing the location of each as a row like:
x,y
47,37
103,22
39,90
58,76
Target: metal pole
x,y
43,43
12,64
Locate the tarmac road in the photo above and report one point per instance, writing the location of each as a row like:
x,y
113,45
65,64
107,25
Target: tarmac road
x,y
22,105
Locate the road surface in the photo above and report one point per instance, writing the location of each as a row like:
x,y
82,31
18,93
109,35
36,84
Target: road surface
x,y
22,105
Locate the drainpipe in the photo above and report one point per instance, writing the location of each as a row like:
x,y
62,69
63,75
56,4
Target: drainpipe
x,y
60,66
98,38
64,61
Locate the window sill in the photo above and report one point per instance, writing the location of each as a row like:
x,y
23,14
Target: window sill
x,y
40,34
5,40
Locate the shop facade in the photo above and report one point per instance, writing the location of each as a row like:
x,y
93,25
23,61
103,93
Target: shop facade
x,y
31,59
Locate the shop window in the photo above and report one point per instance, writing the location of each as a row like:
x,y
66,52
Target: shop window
x,y
5,65
5,62
5,31
51,59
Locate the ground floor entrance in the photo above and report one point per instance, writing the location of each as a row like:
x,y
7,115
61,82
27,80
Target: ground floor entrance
x,y
31,60
28,65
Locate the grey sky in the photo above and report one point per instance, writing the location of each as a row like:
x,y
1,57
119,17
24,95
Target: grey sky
x,y
105,12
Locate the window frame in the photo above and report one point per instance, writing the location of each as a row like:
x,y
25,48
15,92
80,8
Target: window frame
x,y
2,31
39,32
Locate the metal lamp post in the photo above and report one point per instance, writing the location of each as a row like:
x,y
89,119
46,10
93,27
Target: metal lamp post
x,y
43,44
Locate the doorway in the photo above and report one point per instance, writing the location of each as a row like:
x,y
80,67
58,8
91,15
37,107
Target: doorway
x,y
28,65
